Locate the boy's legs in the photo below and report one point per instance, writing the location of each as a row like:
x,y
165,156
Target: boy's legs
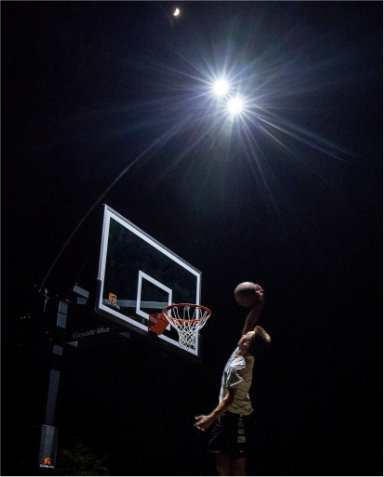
x,y
227,466
238,466
223,464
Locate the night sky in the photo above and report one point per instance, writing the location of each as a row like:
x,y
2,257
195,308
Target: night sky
x,y
110,102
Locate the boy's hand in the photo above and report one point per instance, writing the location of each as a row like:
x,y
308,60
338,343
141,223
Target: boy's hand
x,y
203,422
259,290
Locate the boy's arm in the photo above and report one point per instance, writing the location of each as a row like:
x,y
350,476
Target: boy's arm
x,y
204,421
253,316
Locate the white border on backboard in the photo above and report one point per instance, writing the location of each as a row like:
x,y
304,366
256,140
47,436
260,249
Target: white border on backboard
x,y
155,282
110,213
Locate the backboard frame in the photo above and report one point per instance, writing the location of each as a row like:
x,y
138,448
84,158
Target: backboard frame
x,y
138,321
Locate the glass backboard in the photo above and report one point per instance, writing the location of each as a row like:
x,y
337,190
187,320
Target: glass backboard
x,y
139,276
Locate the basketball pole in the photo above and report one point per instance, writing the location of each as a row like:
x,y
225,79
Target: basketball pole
x,y
49,432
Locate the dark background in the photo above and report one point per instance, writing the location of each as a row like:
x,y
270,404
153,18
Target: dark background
x,y
87,87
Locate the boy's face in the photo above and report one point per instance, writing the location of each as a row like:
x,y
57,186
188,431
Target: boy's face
x,y
245,341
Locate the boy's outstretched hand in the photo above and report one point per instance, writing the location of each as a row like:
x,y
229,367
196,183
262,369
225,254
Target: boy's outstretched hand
x,y
203,422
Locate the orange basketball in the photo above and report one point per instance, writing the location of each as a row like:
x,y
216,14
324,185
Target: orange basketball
x,y
245,294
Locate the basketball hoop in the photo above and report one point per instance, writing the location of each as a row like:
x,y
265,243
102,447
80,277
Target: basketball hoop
x,y
187,319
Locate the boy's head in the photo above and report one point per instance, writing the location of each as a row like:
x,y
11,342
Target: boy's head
x,y
255,342
260,342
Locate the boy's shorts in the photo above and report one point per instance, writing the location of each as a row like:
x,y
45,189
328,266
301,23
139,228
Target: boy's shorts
x,y
230,435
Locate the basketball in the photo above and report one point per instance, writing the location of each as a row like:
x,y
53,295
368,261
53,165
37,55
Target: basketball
x,y
245,294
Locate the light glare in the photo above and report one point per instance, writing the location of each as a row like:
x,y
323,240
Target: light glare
x,y
221,87
235,106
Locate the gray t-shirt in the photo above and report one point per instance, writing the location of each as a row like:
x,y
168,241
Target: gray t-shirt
x,y
238,374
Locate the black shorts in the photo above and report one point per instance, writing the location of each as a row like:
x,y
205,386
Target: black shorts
x,y
230,435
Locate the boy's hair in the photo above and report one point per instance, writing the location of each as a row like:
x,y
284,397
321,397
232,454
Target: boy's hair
x,y
260,341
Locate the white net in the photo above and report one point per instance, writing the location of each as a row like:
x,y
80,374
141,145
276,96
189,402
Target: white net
x,y
187,319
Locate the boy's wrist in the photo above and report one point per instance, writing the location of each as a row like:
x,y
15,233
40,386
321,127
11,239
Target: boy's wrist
x,y
216,414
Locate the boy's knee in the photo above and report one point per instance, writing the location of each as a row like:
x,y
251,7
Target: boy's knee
x,y
223,464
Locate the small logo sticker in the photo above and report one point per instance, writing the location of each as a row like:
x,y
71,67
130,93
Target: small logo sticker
x,y
112,300
46,463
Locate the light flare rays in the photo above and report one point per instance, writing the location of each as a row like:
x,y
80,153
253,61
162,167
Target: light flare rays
x,y
260,168
304,136
194,141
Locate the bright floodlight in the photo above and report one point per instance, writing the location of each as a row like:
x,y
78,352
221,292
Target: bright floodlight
x,y
235,106
176,12
221,87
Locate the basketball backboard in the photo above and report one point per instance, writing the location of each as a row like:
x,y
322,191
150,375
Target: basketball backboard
x,y
139,276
